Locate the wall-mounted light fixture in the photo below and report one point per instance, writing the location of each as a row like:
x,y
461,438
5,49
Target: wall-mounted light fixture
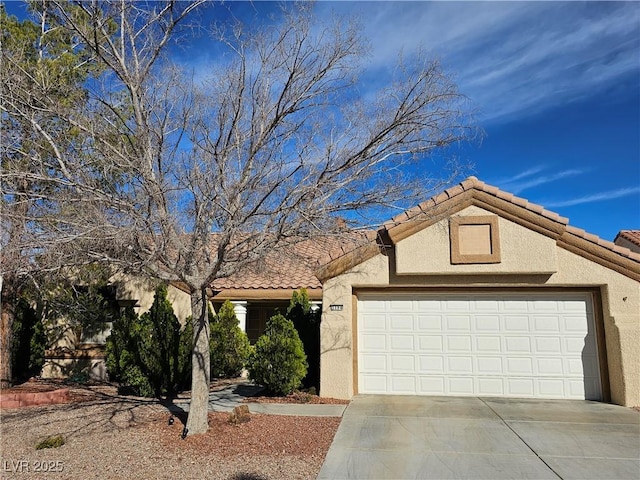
x,y
335,308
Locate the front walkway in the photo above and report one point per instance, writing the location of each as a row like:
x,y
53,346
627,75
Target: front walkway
x,y
230,397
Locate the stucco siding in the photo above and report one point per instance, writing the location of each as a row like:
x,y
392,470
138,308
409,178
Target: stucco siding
x,y
428,251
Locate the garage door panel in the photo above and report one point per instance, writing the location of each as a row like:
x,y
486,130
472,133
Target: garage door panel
x,y
401,322
519,366
517,344
513,306
457,306
372,322
403,363
459,343
546,324
552,387
401,343
548,345
489,366
374,363
481,306
511,345
490,386
374,342
431,364
487,324
544,306
457,364
488,344
519,387
458,323
403,385
460,386
374,383
516,324
575,325
430,385
431,343
429,323
551,366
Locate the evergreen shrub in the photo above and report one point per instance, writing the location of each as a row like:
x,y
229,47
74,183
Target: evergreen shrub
x,y
229,346
149,354
278,361
307,323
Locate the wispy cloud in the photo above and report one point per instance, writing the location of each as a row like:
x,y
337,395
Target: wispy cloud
x,y
511,58
594,197
532,178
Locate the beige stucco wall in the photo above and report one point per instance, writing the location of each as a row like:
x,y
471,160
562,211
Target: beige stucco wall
x,y
620,298
435,258
142,291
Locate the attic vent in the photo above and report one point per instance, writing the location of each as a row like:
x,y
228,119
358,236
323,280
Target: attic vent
x,y
474,239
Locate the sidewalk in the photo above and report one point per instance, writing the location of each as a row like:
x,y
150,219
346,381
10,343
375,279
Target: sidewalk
x,y
227,399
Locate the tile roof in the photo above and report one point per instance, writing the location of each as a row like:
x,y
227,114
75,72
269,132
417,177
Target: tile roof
x,y
297,266
632,236
290,269
472,183
424,212
293,267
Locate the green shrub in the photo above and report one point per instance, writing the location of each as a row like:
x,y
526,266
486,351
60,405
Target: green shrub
x,y
145,353
278,361
307,324
229,346
29,342
51,442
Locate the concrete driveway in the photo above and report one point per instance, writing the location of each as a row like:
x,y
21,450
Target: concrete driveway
x,y
398,437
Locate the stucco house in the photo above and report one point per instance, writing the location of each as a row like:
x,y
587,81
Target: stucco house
x,y
472,292
479,292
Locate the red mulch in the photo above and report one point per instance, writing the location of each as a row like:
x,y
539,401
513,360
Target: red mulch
x,y
298,397
262,435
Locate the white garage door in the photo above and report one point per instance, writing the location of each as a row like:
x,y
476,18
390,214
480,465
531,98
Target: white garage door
x,y
494,345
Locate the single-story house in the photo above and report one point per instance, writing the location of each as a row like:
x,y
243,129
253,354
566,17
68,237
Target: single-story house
x,y
472,292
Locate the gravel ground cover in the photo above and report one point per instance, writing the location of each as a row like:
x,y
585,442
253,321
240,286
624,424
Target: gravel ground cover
x,y
114,437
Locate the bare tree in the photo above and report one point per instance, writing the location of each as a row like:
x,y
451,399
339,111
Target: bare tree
x,y
190,181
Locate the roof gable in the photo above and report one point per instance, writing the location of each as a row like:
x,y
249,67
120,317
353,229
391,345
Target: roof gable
x,y
519,210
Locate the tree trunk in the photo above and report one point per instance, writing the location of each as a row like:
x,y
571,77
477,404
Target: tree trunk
x,y
7,315
197,421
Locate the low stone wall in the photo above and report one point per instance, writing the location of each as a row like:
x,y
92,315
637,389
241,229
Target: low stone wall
x,y
29,399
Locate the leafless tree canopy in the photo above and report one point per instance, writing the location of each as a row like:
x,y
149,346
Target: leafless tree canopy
x,y
269,147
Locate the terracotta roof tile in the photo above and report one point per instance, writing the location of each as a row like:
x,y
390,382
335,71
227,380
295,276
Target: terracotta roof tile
x,y
290,268
453,191
473,183
632,236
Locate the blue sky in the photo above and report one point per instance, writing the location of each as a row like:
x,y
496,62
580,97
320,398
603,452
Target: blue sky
x,y
556,87
557,90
